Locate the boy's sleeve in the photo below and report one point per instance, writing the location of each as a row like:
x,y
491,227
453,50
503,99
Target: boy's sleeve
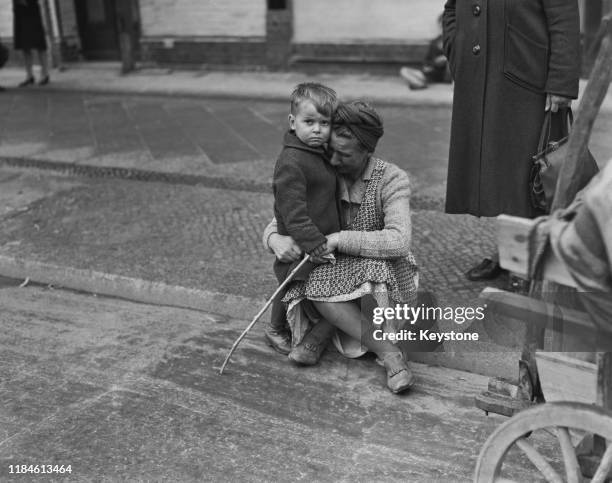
x,y
269,230
290,190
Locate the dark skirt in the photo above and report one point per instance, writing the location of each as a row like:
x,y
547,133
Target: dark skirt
x,y
28,30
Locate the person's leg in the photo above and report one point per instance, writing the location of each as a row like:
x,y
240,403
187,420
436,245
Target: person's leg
x,y
28,63
44,67
414,78
311,347
347,317
277,333
344,316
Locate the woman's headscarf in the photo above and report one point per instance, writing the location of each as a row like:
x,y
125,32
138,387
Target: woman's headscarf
x,y
362,120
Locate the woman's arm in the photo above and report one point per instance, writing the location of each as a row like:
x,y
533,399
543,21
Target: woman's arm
x,y
284,247
563,23
393,240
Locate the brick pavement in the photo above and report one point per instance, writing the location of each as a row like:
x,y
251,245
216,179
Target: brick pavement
x,y
202,237
231,139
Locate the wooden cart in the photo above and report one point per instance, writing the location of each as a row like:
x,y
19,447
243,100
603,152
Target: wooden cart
x,y
578,409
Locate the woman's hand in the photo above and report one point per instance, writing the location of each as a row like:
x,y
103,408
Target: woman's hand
x,y
332,244
284,247
554,103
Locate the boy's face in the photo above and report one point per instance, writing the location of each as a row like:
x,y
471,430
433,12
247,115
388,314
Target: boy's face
x,y
310,126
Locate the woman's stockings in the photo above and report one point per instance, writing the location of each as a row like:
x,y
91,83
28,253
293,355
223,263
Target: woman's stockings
x,y
348,317
44,64
29,64
28,60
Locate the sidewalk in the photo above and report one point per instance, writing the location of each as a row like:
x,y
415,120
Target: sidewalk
x,y
106,77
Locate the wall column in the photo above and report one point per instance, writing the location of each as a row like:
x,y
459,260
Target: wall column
x,y
279,33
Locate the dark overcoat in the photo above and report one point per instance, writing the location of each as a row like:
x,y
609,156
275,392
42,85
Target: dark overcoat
x,y
28,30
505,56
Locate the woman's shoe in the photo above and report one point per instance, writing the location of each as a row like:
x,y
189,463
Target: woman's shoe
x,y
44,81
485,270
28,82
399,377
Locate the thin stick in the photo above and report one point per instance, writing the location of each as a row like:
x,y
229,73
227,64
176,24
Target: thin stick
x,y
260,313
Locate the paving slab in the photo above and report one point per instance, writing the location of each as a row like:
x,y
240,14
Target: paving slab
x,y
123,391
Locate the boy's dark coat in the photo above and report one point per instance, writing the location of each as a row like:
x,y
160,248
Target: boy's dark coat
x,y
305,203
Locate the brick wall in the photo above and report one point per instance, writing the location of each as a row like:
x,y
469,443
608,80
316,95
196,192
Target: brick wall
x,y
380,21
201,53
203,18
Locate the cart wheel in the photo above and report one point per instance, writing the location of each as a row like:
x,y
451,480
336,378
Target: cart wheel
x,y
554,418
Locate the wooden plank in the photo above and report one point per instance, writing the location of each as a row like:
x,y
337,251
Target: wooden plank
x,y
604,380
538,312
564,378
512,242
593,96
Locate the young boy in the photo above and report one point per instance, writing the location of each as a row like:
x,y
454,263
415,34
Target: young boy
x,y
304,186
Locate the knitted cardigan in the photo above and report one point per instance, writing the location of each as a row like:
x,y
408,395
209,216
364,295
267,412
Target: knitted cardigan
x,y
393,200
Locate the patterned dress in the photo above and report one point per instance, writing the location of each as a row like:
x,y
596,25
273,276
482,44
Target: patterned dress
x,y
388,281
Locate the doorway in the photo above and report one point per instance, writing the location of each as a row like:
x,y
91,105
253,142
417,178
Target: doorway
x,y
97,21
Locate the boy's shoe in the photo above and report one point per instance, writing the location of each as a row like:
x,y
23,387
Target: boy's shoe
x,y
399,377
309,351
278,339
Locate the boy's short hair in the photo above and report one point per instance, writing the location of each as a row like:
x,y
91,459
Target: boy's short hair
x,y
323,98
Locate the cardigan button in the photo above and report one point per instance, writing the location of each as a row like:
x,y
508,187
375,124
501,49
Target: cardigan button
x,y
476,49
476,10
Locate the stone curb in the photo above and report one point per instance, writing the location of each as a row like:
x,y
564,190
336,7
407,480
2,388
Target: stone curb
x,y
392,101
134,289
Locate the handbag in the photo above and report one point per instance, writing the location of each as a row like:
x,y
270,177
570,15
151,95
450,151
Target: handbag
x,y
4,54
547,162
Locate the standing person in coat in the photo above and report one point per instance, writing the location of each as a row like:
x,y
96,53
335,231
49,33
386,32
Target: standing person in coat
x,y
29,35
511,60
